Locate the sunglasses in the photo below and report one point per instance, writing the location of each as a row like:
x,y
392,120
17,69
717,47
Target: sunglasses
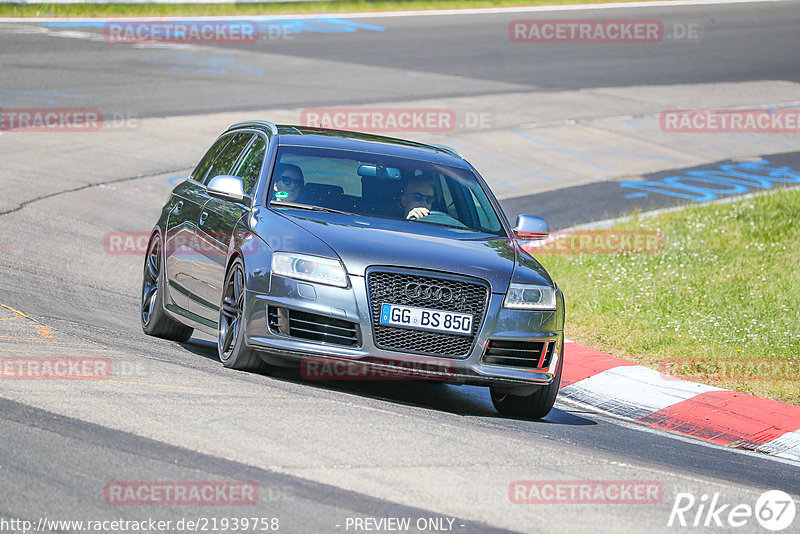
x,y
419,197
288,180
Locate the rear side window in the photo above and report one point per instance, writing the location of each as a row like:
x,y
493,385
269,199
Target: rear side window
x,y
250,167
202,168
224,163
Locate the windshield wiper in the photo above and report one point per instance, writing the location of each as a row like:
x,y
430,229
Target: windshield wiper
x,y
309,207
463,227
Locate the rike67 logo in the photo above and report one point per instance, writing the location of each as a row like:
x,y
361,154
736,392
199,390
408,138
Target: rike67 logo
x,y
774,510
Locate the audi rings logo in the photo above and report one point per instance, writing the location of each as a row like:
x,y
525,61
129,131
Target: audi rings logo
x,y
417,290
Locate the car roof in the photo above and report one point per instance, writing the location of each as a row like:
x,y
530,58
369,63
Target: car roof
x,y
305,136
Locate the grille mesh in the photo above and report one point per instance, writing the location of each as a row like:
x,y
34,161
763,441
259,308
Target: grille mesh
x,y
390,287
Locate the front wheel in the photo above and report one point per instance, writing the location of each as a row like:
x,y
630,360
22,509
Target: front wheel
x,y
533,406
155,321
233,351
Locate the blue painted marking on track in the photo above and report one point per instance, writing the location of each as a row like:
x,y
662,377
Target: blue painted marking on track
x,y
709,184
174,180
299,25
75,24
356,24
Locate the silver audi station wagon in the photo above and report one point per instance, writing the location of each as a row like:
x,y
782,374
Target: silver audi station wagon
x,y
322,248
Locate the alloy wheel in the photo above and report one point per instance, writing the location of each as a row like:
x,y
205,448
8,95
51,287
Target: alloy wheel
x,y
152,273
231,313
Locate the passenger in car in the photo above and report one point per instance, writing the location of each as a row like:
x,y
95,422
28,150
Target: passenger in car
x,y
288,183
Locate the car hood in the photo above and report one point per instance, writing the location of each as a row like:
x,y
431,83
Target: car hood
x,y
362,242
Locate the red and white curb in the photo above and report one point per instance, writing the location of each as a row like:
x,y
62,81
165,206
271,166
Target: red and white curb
x,y
660,401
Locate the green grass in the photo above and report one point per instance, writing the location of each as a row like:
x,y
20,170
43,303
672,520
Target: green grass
x,y
719,304
165,10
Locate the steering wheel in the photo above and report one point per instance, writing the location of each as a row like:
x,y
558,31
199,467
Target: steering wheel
x,y
430,214
440,217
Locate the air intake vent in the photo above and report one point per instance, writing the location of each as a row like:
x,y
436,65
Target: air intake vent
x,y
528,354
313,327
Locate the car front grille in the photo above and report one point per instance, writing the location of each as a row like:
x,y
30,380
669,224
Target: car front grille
x,y
313,327
455,295
528,354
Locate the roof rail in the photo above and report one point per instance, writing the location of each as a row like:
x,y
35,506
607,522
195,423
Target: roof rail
x,y
272,128
447,149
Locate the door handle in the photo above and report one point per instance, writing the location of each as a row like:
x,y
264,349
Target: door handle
x,y
177,207
203,217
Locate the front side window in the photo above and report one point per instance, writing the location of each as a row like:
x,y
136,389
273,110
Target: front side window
x,y
382,186
225,161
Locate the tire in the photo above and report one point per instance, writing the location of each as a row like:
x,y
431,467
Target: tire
x,y
155,321
533,406
232,349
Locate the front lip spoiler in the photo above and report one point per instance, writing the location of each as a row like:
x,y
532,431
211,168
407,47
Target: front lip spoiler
x,y
411,371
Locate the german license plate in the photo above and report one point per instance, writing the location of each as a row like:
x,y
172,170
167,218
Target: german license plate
x,y
426,319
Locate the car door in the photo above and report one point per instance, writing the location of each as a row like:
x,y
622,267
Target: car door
x,y
214,225
181,228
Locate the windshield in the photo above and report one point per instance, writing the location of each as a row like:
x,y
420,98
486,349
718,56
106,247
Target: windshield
x,y
382,186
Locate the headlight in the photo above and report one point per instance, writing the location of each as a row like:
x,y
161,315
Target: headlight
x,y
311,268
530,297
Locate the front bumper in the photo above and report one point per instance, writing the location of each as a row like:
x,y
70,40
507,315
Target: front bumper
x,y
370,361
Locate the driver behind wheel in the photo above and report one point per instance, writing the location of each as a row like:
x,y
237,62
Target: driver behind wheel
x,y
417,197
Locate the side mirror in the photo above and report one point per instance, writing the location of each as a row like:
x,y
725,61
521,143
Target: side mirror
x,y
229,188
531,228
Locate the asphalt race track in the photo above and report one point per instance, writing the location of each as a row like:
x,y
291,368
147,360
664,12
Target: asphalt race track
x,y
568,131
